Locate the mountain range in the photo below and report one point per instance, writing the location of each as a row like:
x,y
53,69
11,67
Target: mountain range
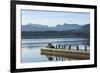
x,y
64,27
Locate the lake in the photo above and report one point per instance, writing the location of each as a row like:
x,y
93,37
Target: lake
x,y
31,48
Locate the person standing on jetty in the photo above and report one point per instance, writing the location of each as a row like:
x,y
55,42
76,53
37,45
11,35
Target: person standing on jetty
x,y
50,46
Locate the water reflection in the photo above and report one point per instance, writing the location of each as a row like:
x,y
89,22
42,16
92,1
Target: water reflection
x,y
31,48
57,58
50,58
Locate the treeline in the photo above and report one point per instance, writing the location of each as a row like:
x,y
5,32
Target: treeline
x,y
55,34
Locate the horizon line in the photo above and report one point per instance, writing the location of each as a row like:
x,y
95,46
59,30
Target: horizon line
x,y
55,25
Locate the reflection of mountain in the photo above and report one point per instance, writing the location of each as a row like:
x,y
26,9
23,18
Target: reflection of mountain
x,y
39,27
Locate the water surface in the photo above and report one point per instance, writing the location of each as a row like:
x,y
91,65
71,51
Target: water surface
x,y
31,48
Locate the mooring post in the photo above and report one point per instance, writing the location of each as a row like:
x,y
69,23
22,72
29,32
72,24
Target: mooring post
x,y
64,46
70,47
77,48
85,48
56,58
59,45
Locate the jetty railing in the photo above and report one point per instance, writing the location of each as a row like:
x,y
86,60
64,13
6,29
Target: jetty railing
x,y
59,46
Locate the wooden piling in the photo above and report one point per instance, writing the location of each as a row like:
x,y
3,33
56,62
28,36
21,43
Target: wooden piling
x,y
77,48
64,46
70,47
59,45
85,48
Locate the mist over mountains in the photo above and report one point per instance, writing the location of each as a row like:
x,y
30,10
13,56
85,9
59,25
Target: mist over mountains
x,y
64,27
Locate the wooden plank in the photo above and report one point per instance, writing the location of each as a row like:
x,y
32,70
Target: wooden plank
x,y
74,54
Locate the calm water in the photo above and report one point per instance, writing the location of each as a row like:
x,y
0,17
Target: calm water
x,y
31,48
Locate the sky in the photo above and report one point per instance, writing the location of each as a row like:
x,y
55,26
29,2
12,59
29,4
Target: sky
x,y
52,18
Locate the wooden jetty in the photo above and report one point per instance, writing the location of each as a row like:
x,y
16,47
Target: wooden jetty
x,y
68,53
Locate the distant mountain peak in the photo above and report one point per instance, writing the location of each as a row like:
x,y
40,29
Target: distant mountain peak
x,y
59,27
85,27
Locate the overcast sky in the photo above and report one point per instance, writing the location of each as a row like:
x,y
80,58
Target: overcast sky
x,y
52,18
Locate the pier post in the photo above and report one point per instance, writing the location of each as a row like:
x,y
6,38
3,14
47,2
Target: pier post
x,y
56,58
77,48
59,45
85,48
70,47
64,46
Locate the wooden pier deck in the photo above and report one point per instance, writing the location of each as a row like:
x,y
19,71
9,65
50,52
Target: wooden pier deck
x,y
73,54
